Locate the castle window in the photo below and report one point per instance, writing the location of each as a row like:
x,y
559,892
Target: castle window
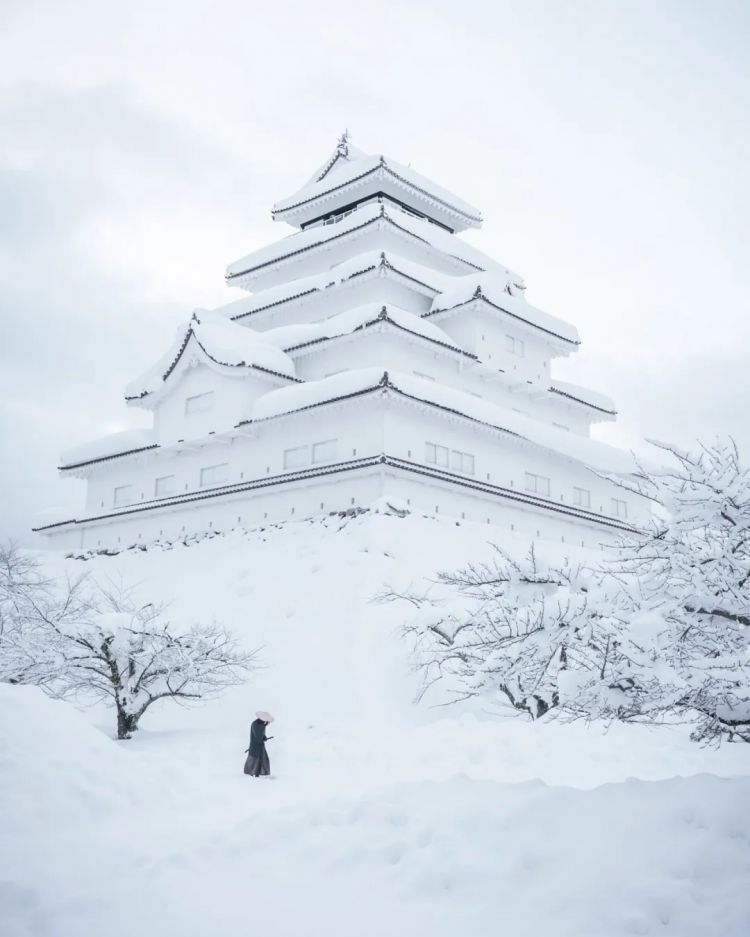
x,y
214,474
164,486
200,403
619,507
123,495
296,457
515,346
582,497
538,484
325,451
462,462
436,455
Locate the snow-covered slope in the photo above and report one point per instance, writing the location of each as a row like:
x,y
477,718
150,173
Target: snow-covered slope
x,y
383,817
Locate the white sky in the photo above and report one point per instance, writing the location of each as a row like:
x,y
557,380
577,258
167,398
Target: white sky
x,y
143,143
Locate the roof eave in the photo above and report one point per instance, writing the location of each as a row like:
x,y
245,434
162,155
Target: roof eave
x,y
561,342
299,210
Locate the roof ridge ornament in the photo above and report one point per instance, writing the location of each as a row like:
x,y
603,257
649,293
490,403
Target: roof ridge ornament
x,y
342,147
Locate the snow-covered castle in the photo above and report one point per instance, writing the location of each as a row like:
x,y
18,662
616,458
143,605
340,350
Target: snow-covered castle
x,y
378,357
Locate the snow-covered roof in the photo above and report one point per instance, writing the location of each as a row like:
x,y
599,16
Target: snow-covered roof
x,y
500,290
249,267
293,337
504,295
358,382
432,280
313,393
304,286
108,447
224,342
350,174
591,398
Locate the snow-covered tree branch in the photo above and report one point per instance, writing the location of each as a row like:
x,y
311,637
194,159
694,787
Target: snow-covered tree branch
x,y
687,583
657,629
510,627
81,638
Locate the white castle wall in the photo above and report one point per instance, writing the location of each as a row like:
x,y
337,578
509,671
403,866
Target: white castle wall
x,y
338,493
355,429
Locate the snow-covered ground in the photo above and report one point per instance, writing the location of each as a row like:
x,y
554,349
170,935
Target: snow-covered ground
x,y
383,817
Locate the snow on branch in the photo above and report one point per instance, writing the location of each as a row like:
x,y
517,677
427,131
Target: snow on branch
x,y
659,629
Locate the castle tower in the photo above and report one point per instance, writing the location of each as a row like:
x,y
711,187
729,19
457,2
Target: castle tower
x,y
376,356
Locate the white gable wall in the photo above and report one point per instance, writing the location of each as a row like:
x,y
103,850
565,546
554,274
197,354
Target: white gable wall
x,y
233,393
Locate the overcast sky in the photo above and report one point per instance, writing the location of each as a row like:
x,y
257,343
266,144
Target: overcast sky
x,y
143,144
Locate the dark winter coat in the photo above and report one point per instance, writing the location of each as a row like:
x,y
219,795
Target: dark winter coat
x,y
257,762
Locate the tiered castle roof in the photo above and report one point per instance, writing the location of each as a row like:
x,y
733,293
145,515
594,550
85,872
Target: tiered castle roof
x,y
362,218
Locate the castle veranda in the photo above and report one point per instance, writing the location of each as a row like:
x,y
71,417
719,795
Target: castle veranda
x,y
378,359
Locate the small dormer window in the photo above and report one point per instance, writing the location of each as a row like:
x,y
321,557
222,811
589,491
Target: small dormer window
x,y
199,403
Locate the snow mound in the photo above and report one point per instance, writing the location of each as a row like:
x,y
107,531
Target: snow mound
x,y
55,767
383,817
463,857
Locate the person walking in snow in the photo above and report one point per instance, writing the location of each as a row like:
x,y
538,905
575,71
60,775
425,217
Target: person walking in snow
x,y
257,763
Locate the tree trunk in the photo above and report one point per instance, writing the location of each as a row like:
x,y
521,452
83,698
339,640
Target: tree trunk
x,y
127,723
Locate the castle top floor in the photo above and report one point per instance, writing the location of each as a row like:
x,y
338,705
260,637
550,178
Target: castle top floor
x,y
350,177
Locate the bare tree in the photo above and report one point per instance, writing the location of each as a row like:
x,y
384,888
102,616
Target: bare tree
x,y
20,578
79,638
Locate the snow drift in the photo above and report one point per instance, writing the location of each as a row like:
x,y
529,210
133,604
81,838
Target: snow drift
x,y
383,817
